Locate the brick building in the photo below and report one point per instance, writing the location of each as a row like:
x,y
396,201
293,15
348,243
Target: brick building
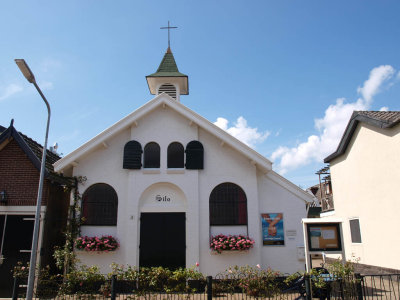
x,y
20,160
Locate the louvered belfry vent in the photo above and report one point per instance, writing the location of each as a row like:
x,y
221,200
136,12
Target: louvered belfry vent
x,y
169,89
132,155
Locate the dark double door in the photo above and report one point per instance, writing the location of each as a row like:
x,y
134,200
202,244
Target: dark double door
x,y
162,240
15,241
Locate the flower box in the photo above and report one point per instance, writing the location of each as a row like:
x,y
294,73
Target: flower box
x,y
222,243
105,243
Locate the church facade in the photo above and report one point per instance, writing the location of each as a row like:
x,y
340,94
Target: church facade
x,y
164,181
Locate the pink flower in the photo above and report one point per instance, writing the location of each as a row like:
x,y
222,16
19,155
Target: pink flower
x,y
197,264
258,266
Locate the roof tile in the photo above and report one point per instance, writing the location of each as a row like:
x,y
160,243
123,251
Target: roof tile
x,y
168,67
384,116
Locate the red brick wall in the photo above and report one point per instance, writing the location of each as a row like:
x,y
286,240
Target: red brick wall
x,y
18,177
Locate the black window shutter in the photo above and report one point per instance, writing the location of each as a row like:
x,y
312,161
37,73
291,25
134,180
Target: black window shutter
x,y
132,155
194,156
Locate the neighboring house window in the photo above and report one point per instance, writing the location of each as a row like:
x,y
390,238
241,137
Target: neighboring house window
x,y
132,155
194,155
152,155
228,205
100,205
328,187
355,231
175,155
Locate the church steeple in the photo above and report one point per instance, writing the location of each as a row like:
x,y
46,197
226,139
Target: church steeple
x,y
168,79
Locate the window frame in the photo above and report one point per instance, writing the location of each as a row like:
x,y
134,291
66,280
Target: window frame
x,y
96,218
353,236
234,206
157,156
176,156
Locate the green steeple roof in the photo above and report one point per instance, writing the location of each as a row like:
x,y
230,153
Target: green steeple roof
x,y
168,67
168,75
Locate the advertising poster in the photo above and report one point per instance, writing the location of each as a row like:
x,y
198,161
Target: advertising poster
x,y
272,229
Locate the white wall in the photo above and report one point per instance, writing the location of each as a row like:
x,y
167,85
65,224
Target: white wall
x,y
365,186
274,199
221,164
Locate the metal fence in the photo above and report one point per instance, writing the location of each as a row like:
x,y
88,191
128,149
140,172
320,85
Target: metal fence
x,y
381,286
353,287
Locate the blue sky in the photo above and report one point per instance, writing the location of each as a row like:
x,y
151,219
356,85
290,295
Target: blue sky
x,y
283,76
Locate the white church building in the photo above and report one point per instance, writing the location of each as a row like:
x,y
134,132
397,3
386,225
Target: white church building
x,y
164,180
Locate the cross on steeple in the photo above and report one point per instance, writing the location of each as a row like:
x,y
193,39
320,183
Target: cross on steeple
x,y
168,27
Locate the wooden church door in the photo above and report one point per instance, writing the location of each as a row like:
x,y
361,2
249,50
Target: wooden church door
x,y
162,240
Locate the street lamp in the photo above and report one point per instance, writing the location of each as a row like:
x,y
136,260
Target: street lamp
x,y
23,66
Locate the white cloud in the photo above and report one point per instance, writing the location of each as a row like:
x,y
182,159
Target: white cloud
x,y
384,108
248,135
331,126
377,76
9,90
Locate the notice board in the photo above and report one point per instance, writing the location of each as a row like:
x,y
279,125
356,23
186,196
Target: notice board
x,y
324,237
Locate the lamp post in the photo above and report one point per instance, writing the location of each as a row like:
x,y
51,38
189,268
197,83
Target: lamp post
x,y
23,66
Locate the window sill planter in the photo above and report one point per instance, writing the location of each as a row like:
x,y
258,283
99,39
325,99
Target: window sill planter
x,y
224,243
105,243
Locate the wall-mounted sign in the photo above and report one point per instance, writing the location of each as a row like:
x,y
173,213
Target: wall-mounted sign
x,y
324,237
291,234
160,198
272,229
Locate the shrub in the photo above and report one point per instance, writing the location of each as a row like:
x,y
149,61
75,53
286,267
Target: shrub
x,y
254,281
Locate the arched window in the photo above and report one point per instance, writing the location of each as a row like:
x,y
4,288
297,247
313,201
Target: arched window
x,y
132,155
100,205
228,205
194,155
175,155
152,155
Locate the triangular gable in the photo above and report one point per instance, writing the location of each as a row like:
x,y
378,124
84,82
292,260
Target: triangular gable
x,y
133,119
164,100
9,134
381,119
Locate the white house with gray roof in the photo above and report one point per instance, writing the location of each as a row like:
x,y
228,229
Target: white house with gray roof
x,y
365,174
164,181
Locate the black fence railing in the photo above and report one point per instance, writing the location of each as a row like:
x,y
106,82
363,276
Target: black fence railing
x,y
305,287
